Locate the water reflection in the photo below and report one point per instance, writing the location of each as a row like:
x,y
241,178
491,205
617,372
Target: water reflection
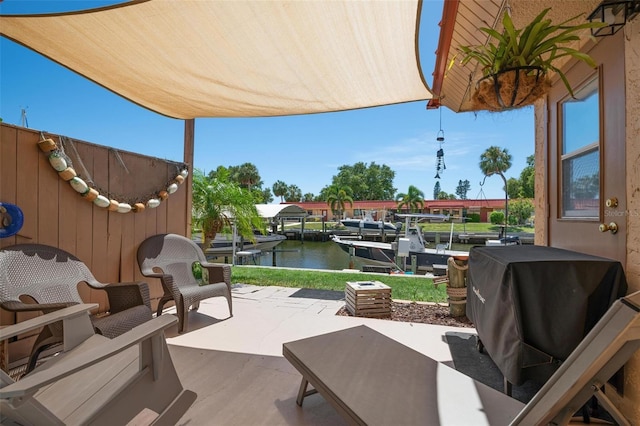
x,y
315,255
310,254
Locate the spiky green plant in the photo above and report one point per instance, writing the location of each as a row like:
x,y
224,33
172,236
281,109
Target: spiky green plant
x,y
539,44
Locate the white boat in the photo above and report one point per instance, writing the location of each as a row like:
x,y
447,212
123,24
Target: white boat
x,y
503,239
506,241
387,254
368,225
222,244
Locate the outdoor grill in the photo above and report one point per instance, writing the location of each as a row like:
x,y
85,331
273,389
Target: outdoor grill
x,y
532,305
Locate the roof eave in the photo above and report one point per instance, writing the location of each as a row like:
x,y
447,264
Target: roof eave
x,y
447,24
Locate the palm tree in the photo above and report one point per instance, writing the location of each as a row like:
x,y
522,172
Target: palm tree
x,y
496,161
338,197
219,203
294,194
413,199
247,174
280,189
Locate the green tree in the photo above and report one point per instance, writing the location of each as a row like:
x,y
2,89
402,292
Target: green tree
x,y
413,199
528,179
308,197
443,195
218,202
367,182
520,210
514,188
463,187
496,160
338,198
262,196
246,175
220,171
436,190
279,189
293,194
496,217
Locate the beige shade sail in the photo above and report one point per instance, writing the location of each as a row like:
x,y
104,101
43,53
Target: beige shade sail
x,y
190,59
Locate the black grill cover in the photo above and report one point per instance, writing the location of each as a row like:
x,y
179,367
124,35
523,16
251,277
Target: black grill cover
x,y
532,305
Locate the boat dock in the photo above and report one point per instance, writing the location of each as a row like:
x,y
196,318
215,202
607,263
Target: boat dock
x,y
429,236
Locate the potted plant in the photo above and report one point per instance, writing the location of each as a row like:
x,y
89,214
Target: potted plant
x,y
515,64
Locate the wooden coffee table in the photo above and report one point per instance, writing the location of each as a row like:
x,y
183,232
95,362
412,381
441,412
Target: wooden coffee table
x,y
372,379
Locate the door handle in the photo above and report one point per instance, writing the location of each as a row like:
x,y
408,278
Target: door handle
x,y
612,227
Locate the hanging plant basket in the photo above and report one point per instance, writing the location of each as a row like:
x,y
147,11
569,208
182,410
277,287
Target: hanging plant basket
x,y
511,88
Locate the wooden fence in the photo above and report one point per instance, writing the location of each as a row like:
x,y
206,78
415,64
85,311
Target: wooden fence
x,y
55,214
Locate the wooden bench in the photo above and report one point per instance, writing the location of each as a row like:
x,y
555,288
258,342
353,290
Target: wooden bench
x,y
374,380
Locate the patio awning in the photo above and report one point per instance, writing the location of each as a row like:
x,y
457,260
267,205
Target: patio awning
x,y
191,59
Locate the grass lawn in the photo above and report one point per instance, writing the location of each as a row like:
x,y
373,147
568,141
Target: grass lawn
x,y
403,287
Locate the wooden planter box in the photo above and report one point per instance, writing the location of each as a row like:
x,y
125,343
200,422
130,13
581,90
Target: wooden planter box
x,y
368,299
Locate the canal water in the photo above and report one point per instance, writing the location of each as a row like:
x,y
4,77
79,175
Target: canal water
x,y
315,255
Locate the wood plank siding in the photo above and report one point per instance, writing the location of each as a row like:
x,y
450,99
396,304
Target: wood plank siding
x,y
56,215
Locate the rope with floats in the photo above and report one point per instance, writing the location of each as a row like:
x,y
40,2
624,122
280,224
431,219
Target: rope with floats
x,y
62,164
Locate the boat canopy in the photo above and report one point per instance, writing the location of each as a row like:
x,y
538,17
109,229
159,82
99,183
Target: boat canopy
x,y
281,211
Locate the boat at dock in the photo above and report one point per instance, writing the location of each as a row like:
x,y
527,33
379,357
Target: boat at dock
x,y
408,248
367,225
222,244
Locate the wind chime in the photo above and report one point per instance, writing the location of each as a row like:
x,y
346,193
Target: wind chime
x,y
440,165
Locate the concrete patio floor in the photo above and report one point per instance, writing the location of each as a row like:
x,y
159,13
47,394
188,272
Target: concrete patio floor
x,y
266,317
236,368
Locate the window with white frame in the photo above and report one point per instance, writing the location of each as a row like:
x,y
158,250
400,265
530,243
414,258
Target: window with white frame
x,y
580,149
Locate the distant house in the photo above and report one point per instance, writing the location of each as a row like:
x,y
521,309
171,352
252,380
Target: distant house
x,y
381,209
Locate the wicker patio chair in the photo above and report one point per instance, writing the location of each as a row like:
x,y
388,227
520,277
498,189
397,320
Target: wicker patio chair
x,y
170,257
49,277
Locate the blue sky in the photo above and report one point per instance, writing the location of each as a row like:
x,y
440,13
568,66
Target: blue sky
x,y
301,150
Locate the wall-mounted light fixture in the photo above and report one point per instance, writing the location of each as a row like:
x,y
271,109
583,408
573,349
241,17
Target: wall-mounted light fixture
x,y
614,13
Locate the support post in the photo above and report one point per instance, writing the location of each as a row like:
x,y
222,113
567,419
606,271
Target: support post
x,y
189,137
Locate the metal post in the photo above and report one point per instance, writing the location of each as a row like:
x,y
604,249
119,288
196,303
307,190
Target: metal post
x,y
351,254
506,207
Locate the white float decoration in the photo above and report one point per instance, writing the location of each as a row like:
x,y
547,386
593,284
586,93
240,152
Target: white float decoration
x,y
79,185
101,201
172,188
124,208
59,163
